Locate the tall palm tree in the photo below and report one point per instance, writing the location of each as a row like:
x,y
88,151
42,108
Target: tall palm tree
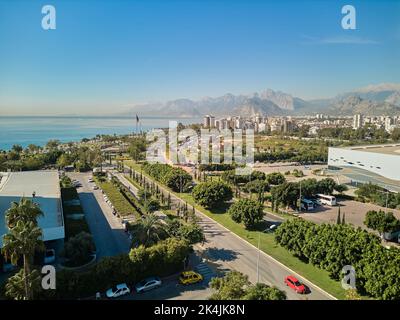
x,y
149,230
22,240
25,210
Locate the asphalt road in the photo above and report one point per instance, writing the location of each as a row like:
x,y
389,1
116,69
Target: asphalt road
x,y
107,230
225,251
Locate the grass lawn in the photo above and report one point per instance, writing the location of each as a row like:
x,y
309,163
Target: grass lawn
x,y
267,244
123,207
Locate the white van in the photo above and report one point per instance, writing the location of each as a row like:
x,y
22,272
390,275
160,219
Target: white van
x,y
307,205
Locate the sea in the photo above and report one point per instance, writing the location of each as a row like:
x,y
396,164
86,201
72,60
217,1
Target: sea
x,y
25,130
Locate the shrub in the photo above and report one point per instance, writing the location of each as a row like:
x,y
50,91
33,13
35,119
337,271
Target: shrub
x,y
162,259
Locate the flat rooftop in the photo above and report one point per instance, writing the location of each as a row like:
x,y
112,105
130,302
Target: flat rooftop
x,y
45,185
392,149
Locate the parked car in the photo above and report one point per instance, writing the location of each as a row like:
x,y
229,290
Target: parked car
x,y
95,187
148,284
118,291
190,277
295,284
90,180
50,256
271,228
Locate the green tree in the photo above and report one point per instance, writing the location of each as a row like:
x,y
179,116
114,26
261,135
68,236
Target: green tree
x,y
261,291
231,287
248,211
326,186
79,249
395,135
236,286
25,211
151,205
381,221
212,193
22,240
17,148
63,161
275,178
53,144
341,188
286,194
259,187
148,230
15,286
137,148
192,232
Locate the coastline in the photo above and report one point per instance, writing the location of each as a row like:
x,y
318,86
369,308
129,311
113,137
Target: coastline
x,y
38,130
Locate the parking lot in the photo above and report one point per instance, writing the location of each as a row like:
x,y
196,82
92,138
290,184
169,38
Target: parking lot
x,y
283,167
354,211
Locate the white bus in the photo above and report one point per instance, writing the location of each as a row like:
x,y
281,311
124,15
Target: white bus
x,y
326,199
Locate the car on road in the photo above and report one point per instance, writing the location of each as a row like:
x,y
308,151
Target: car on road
x,y
148,284
76,184
190,277
295,284
118,291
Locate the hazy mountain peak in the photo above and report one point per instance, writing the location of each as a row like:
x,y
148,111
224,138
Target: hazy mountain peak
x,y
380,87
375,99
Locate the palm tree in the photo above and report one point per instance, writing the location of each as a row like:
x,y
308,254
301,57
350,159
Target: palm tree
x,y
22,240
15,286
149,230
25,210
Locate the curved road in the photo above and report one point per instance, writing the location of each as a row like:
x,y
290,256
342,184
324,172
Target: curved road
x,y
232,252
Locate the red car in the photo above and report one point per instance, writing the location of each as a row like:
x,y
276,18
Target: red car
x,y
295,284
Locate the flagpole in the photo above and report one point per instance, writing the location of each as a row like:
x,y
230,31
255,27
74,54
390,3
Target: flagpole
x,y
137,121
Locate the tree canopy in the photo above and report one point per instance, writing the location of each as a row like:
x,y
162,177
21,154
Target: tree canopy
x,y
212,193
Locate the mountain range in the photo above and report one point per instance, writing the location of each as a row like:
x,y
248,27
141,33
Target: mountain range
x,y
373,100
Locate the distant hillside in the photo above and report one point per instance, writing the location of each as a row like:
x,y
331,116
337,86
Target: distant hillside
x,y
354,104
381,99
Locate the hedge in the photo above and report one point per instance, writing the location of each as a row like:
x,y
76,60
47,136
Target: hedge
x,y
162,259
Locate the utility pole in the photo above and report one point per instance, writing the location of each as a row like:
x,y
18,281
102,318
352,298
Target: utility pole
x,y
300,198
387,199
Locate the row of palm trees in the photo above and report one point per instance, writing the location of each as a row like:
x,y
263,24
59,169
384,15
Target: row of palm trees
x,y
23,239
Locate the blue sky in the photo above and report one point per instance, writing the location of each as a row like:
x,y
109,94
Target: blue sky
x,y
105,56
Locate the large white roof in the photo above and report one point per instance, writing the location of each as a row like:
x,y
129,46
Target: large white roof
x,y
45,185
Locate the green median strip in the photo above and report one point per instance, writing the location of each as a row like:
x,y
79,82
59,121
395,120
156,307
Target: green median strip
x,y
122,206
267,244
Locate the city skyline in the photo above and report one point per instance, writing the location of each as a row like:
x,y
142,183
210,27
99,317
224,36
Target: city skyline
x,y
107,58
